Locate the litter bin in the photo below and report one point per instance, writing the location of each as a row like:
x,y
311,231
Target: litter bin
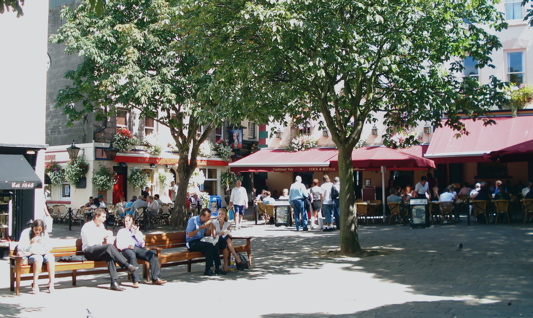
x,y
215,203
418,213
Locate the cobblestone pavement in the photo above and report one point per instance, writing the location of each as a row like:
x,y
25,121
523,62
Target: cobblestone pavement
x,y
419,273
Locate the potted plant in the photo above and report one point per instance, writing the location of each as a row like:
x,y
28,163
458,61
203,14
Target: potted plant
x,y
229,178
54,171
521,95
75,170
104,178
301,143
124,140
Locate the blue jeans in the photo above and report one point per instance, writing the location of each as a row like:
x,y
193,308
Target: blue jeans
x,y
327,210
337,213
298,206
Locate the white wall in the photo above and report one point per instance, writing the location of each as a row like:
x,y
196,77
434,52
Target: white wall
x,y
23,74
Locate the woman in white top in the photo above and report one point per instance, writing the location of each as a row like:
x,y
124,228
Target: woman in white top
x,y
221,228
35,248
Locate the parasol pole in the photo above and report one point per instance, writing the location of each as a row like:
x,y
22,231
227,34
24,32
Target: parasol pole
x,y
383,170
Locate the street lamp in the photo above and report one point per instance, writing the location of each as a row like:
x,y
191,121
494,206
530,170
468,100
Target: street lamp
x,y
73,151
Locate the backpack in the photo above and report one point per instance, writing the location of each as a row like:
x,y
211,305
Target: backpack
x,y
334,193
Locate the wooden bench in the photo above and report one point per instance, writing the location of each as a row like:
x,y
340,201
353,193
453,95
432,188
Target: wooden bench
x,y
171,250
19,272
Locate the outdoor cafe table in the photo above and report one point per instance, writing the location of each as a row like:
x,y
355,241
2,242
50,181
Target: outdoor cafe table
x,y
282,213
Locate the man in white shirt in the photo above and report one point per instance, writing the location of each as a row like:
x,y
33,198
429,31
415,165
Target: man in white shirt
x,y
422,188
526,190
131,242
93,236
327,204
173,191
238,201
447,196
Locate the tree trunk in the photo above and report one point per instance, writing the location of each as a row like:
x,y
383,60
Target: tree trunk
x,y
180,214
349,236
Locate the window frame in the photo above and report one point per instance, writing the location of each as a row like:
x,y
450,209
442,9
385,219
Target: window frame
x,y
508,74
513,3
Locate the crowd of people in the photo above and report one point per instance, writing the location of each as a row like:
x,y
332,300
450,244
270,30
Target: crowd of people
x,y
310,204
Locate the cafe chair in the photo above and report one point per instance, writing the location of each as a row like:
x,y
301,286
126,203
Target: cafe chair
x,y
362,210
527,208
269,213
446,211
501,207
394,209
480,208
374,210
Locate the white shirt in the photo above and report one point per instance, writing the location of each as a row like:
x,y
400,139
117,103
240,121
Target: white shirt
x,y
239,196
125,239
446,197
225,227
25,248
326,187
92,235
525,191
421,189
153,206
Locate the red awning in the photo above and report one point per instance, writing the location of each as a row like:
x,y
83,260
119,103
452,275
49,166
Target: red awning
x,y
446,148
519,152
372,158
280,160
163,159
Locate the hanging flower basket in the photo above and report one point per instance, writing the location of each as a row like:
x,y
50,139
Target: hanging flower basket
x,y
137,178
228,179
75,170
104,178
54,171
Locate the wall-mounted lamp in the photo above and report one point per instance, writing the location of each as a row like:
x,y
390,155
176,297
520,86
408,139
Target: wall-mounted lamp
x,y
427,129
152,165
374,130
73,151
325,133
111,152
278,134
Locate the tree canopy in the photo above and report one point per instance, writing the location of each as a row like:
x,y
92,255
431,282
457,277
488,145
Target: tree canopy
x,y
347,60
133,59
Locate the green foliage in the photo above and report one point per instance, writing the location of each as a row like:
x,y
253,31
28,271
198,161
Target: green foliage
x,y
54,172
12,5
124,141
223,149
301,143
521,95
229,178
137,178
75,170
104,178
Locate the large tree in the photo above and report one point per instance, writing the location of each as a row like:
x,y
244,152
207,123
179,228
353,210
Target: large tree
x,y
348,60
131,60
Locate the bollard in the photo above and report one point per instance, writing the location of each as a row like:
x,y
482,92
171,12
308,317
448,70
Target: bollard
x,y
70,219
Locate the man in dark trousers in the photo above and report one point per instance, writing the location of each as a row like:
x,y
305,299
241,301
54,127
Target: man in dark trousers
x,y
97,244
196,230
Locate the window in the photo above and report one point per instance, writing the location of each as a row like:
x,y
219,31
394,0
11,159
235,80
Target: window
x,y
305,128
513,9
515,67
210,182
219,133
251,130
149,126
470,69
65,191
122,118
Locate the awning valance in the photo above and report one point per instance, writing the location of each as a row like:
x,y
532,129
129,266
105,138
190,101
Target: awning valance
x,y
372,158
481,139
280,160
17,174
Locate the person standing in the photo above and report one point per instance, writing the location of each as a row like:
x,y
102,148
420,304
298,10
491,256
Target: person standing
x,y
196,230
327,204
297,194
34,246
337,205
316,203
238,201
173,191
422,188
97,246
130,241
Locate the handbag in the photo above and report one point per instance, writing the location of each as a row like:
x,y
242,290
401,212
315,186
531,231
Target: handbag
x,y
244,264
